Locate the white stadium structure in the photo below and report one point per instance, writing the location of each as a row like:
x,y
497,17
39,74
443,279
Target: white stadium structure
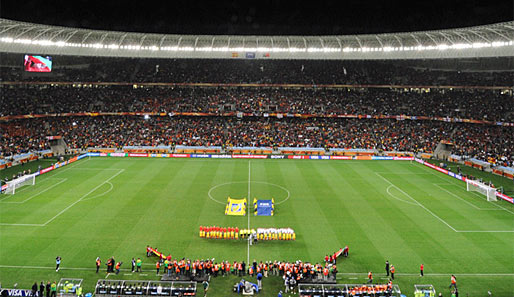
x,y
495,40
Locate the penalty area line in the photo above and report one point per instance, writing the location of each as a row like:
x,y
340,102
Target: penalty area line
x,y
417,202
84,196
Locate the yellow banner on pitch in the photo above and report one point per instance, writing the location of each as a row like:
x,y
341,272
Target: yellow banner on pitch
x,y
235,207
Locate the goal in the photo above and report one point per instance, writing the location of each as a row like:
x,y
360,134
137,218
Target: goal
x,y
473,185
19,182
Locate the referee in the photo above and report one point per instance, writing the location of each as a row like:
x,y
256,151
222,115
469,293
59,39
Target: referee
x,y
57,263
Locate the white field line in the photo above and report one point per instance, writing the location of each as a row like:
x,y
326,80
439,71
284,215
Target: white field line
x,y
61,170
433,274
495,204
486,231
24,189
248,210
45,177
97,169
507,210
339,273
101,194
463,200
38,193
455,182
421,205
399,199
401,173
433,214
68,207
30,225
84,196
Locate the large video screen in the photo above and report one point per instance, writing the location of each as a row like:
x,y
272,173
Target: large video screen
x,y
38,63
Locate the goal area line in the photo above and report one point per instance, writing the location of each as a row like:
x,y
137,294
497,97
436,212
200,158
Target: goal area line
x,y
107,181
417,203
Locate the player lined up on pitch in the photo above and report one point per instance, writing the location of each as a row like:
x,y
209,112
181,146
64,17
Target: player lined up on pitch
x,y
216,232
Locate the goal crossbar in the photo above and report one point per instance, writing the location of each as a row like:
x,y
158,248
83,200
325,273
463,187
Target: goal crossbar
x,y
19,182
476,186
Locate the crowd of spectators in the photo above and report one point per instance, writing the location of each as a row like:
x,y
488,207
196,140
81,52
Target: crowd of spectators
x,y
472,104
312,72
472,140
484,142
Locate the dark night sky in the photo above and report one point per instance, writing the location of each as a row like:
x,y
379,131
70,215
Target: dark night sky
x,y
263,17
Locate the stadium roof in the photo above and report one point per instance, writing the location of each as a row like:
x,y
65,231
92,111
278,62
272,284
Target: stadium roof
x,y
495,40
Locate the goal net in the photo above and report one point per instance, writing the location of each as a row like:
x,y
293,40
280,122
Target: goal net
x,y
15,184
473,185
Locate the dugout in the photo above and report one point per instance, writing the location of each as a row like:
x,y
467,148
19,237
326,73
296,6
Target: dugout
x,y
144,288
67,287
345,290
424,291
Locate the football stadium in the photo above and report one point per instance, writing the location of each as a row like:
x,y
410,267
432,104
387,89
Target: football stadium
x,y
261,165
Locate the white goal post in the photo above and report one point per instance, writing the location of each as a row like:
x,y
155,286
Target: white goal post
x,y
473,185
19,182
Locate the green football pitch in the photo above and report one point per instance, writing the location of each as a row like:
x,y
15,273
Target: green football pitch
x,y
383,210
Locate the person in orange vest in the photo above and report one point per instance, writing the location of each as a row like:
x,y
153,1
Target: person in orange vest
x,y
392,272
453,282
169,268
188,269
325,273
118,265
227,268
98,263
222,268
240,269
370,277
158,266
421,267
200,269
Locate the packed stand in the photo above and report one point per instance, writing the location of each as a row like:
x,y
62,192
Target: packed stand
x,y
473,140
312,72
471,104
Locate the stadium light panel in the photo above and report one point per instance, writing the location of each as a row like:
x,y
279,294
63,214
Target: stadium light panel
x,y
498,43
23,41
480,44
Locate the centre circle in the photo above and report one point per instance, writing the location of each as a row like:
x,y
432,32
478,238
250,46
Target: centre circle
x,y
246,182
